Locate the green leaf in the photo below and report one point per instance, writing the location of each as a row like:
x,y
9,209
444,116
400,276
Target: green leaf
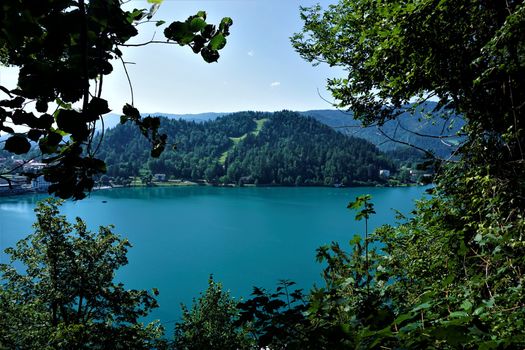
x,y
41,106
217,42
208,31
197,24
17,102
49,144
201,14
179,32
478,311
458,314
34,134
209,55
422,306
404,317
95,164
466,305
96,107
155,1
130,112
17,144
225,25
73,123
355,240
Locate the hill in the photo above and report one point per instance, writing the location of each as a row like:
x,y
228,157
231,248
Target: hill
x,y
408,128
415,129
282,148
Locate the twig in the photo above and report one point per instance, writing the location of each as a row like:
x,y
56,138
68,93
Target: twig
x,y
84,47
427,152
101,135
129,81
426,135
151,42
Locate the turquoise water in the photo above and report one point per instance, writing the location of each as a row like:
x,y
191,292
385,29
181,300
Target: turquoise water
x,y
243,236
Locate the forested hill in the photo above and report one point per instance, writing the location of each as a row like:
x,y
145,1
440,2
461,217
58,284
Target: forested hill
x,y
412,128
249,147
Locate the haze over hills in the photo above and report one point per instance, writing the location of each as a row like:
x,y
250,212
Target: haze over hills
x,y
414,129
407,128
113,119
250,147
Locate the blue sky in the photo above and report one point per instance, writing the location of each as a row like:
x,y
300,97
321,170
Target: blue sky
x,y
258,68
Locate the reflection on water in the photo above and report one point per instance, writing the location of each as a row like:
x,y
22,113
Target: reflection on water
x,y
19,204
18,207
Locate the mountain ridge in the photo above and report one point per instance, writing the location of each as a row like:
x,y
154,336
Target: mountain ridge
x,y
282,148
407,129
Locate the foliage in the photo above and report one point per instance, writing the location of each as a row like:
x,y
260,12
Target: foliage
x,y
441,280
211,323
64,49
288,150
275,319
459,51
451,276
58,292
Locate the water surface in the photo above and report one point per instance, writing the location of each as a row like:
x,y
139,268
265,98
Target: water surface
x,y
243,236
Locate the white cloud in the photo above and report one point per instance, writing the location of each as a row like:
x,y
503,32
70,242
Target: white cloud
x,y
275,83
251,53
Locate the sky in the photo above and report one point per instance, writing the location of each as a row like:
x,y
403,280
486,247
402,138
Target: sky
x,y
258,69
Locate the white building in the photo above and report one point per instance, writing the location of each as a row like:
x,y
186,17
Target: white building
x,y
159,177
384,173
34,166
39,184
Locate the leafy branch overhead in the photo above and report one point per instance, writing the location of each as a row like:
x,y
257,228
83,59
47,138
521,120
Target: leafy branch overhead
x,y
59,99
202,37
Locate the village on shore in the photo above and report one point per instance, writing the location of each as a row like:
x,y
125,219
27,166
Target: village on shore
x,y
27,180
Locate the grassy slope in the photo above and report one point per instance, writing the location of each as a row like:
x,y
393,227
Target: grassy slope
x,y
236,140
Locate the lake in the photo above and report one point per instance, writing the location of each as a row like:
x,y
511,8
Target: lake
x,y
245,237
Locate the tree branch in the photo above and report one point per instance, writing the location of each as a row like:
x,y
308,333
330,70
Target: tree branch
x,y
427,152
84,50
129,81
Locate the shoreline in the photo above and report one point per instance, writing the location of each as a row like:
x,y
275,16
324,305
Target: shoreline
x,y
232,185
198,184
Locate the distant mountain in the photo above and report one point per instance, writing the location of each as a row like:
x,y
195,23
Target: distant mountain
x,y
249,147
112,119
406,128
199,117
344,122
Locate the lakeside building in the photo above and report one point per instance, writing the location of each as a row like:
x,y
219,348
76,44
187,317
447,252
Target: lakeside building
x,y
33,166
159,177
384,173
14,184
39,184
19,184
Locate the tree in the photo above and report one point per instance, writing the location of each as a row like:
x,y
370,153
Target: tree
x,y
454,270
468,54
58,292
211,323
64,48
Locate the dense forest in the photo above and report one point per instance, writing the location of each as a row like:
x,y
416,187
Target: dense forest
x,y
282,148
418,128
